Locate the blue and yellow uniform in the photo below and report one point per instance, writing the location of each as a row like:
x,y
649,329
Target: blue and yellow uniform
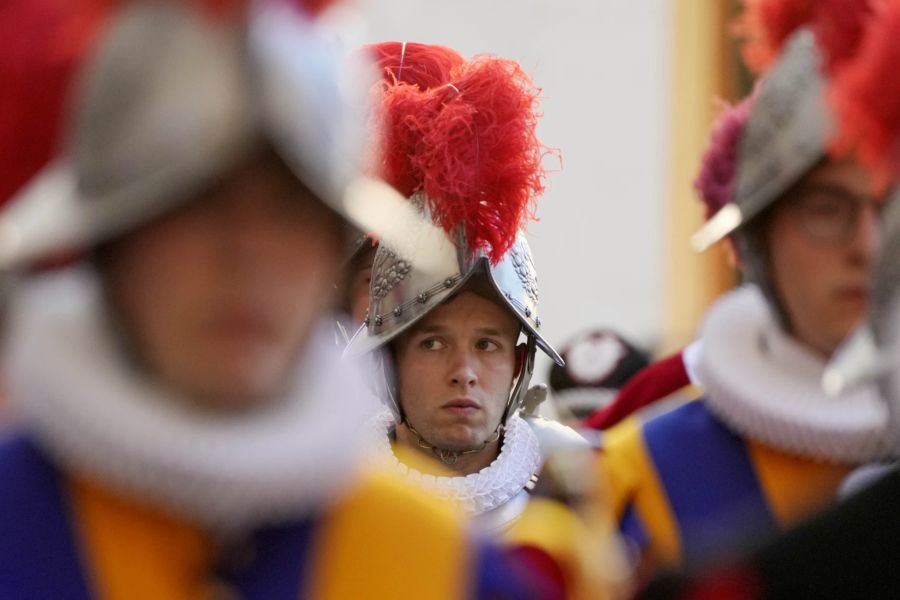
x,y
683,486
570,550
63,537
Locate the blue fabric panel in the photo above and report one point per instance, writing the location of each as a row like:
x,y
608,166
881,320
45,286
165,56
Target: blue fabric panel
x,y
273,564
709,479
632,529
498,577
38,553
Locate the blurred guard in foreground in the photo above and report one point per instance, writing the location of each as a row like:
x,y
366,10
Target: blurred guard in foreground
x,y
185,411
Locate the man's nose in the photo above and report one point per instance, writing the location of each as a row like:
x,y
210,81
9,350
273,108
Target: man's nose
x,y
463,370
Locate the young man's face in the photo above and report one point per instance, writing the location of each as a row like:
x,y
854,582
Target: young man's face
x,y
455,370
822,238
218,298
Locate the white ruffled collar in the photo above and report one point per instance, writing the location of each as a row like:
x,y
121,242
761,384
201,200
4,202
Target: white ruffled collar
x,y
767,386
96,416
518,461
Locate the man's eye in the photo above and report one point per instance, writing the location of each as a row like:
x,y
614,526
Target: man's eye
x,y
825,203
828,206
487,345
433,344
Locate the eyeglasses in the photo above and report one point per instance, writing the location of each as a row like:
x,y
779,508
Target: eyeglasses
x,y
831,214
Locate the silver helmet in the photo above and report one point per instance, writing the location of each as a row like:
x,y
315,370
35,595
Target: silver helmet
x,y
785,136
402,292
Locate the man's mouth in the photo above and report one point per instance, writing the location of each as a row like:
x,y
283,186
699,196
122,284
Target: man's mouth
x,y
462,406
856,293
240,324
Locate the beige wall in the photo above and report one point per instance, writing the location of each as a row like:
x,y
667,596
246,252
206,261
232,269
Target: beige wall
x,y
700,72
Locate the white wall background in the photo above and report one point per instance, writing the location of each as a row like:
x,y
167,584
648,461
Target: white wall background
x,y
603,67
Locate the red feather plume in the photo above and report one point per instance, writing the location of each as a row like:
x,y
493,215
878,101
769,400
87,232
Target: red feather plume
x,y
866,97
766,24
471,147
42,44
839,26
422,65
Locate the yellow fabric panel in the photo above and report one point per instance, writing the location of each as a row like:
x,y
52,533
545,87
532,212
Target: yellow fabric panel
x,y
631,479
795,487
388,539
135,552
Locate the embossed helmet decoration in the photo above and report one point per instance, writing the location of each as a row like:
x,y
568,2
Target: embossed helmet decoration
x,y
467,156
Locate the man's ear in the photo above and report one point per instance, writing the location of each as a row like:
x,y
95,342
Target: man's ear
x,y
521,349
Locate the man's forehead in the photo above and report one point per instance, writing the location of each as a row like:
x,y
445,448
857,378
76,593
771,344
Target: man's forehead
x,y
471,311
844,174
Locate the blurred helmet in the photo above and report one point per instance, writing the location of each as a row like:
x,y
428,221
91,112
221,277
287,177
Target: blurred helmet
x,y
169,98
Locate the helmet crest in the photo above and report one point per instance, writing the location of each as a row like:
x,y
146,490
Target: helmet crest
x,y
469,146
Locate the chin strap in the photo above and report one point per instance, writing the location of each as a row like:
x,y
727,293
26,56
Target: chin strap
x,y
341,335
451,457
388,391
520,389
757,271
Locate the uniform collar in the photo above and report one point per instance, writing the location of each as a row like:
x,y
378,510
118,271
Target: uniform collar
x,y
767,386
517,463
96,416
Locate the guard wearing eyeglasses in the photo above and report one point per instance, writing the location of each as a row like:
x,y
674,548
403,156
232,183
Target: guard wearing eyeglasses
x,y
764,446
